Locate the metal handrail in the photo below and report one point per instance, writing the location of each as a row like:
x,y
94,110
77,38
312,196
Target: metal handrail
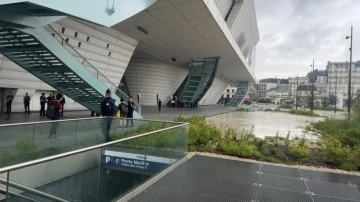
x,y
31,190
113,87
58,156
17,195
80,119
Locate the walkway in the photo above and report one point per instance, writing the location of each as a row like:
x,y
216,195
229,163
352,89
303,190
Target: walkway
x,y
214,179
147,112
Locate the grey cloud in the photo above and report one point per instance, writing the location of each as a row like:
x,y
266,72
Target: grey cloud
x,y
292,32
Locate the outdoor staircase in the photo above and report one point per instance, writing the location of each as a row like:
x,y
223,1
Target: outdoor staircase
x,y
240,95
45,54
201,76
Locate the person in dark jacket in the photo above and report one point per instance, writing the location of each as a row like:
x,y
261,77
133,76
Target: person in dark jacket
x,y
42,104
27,103
107,111
56,115
62,106
130,114
9,100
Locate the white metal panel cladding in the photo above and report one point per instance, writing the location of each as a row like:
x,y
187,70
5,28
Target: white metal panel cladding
x,y
243,25
224,6
110,51
151,78
214,93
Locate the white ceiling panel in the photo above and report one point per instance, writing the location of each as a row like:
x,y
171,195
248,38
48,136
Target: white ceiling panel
x,y
167,15
192,10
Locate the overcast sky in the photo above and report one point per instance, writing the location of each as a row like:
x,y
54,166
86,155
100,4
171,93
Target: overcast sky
x,y
293,32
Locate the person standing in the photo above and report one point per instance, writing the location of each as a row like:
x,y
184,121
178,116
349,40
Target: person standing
x,y
159,104
130,114
62,106
9,99
123,108
42,104
27,103
107,110
55,116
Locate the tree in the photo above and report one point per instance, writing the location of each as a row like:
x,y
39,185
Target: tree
x,y
333,99
325,102
309,101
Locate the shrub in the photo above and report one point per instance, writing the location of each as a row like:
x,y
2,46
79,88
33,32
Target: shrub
x,y
247,150
230,148
334,153
300,152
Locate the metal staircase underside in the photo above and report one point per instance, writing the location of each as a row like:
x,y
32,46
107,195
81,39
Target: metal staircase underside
x,y
68,75
240,95
201,76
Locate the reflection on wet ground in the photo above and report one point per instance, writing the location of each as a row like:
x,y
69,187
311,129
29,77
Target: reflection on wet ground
x,y
264,124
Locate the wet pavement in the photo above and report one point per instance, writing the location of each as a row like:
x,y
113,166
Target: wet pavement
x,y
166,113
263,124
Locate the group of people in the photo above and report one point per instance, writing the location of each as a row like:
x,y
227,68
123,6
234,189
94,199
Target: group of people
x,y
50,100
109,110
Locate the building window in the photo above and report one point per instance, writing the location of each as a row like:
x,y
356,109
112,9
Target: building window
x,y
76,34
107,46
233,90
79,44
109,54
63,30
67,40
228,90
88,39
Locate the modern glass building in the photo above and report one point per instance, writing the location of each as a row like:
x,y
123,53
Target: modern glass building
x,y
191,50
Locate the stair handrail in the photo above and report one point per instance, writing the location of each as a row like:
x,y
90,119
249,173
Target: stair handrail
x,y
113,88
31,190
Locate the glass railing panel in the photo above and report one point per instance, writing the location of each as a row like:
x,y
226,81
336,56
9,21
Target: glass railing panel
x,y
17,144
104,173
179,143
73,178
22,143
52,138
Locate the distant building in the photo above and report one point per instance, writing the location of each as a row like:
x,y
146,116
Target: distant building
x,y
229,92
266,87
338,77
294,82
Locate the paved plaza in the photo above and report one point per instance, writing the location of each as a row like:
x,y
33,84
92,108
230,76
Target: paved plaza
x,y
166,113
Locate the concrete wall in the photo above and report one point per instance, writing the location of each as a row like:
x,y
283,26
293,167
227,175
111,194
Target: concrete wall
x,y
213,95
45,173
149,78
106,49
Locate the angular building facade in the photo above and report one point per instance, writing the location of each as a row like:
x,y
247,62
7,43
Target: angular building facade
x,y
188,49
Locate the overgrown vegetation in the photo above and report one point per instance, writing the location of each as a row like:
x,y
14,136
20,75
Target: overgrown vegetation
x,y
339,146
303,112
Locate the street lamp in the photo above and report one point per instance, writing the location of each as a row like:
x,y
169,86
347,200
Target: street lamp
x,y
312,86
350,49
297,86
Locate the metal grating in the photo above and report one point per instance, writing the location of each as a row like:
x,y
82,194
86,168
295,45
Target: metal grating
x,y
213,179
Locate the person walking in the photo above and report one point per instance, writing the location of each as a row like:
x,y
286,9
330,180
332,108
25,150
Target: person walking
x,y
130,114
42,104
9,99
159,104
123,108
62,106
55,115
107,110
27,103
